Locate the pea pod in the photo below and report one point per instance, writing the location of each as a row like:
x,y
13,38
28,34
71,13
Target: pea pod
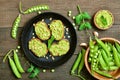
x,y
117,47
103,73
103,46
33,8
81,64
102,62
116,57
76,63
17,62
104,55
14,68
15,26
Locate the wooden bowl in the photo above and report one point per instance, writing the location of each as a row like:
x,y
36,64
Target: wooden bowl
x,y
101,26
115,74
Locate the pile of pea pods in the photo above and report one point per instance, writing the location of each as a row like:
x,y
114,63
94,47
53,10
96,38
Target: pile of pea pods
x,y
104,57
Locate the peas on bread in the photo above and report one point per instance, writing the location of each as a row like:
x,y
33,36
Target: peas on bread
x,y
42,30
57,29
37,47
60,48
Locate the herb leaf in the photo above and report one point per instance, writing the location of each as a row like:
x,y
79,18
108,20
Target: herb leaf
x,y
85,25
78,19
103,20
86,15
50,41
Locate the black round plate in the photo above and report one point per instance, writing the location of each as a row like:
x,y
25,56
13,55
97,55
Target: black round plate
x,y
48,61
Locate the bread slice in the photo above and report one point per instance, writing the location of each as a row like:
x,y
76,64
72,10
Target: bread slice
x,y
37,47
57,29
60,48
42,30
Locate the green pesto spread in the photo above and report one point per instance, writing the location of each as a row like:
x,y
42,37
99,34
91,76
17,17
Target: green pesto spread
x,y
103,19
37,47
57,29
42,30
61,48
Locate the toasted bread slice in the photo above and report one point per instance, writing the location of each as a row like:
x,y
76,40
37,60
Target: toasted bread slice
x,y
60,48
42,30
37,47
57,29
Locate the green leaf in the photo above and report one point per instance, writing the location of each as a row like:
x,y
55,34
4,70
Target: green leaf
x,y
34,73
85,25
88,25
86,15
50,41
103,20
31,68
78,19
82,26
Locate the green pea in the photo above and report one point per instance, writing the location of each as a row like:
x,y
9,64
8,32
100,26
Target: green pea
x,y
15,26
14,68
17,62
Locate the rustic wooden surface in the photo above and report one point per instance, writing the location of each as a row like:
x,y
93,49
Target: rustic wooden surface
x,y
9,10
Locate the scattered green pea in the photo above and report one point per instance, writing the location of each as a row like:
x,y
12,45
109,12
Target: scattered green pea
x,y
44,70
52,70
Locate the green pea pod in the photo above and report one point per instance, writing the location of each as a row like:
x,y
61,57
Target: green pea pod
x,y
31,68
50,41
113,68
81,64
15,26
104,55
104,73
76,63
117,47
34,73
101,43
102,62
78,19
116,57
17,62
14,68
85,15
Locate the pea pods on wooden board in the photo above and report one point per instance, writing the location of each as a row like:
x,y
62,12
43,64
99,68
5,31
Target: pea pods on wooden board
x,y
17,62
14,68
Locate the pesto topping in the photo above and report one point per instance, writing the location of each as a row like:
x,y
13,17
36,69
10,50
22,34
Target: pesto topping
x,y
103,19
42,31
57,29
61,48
37,47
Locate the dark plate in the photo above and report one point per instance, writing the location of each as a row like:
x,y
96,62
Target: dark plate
x,y
48,62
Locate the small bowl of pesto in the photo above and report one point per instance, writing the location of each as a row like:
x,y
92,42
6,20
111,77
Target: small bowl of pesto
x,y
103,19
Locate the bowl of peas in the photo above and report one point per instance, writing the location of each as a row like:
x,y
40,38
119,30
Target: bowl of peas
x,y
102,58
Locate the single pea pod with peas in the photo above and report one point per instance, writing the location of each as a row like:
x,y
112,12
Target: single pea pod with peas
x,y
15,26
14,68
33,8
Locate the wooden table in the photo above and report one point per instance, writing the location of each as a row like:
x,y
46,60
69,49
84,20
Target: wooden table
x,y
9,11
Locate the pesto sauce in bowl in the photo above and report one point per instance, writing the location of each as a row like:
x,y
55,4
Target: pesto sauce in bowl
x,y
103,19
